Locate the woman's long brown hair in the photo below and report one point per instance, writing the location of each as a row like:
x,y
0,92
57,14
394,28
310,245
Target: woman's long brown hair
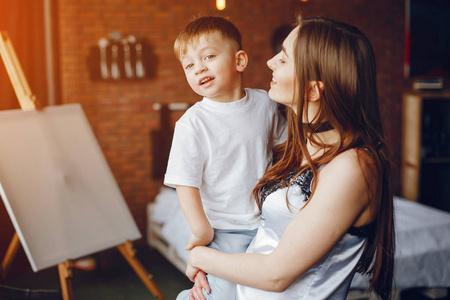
x,y
340,56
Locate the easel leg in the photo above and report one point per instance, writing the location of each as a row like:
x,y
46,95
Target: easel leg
x,y
129,253
65,275
10,254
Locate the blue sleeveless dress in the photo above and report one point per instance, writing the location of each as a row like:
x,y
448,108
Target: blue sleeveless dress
x,y
330,278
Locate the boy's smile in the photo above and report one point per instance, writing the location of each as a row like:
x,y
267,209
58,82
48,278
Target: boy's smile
x,y
206,80
210,64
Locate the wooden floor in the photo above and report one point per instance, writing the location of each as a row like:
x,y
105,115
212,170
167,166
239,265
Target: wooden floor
x,y
113,279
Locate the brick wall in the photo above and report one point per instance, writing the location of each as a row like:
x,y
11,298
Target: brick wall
x,y
121,112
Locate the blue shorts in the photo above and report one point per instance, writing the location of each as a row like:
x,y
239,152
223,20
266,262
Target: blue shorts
x,y
231,241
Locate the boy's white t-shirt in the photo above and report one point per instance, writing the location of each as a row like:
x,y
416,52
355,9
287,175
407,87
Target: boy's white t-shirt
x,y
223,149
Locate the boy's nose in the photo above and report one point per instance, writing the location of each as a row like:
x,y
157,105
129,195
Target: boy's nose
x,y
200,68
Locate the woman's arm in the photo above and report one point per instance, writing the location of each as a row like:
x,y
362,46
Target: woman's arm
x,y
191,204
341,199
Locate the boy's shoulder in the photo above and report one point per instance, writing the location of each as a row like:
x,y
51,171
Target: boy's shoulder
x,y
257,93
194,116
191,112
261,96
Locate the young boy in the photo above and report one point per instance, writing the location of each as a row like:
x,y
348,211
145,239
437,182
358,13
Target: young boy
x,y
222,145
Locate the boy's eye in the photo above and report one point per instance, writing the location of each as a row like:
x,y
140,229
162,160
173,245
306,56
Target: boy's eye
x,y
208,57
188,66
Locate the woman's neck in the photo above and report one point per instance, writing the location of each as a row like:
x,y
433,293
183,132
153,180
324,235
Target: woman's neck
x,y
318,128
323,141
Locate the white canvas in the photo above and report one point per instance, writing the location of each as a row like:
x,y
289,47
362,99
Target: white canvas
x,y
58,189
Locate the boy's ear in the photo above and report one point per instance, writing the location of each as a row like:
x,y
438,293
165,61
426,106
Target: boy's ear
x,y
241,60
315,90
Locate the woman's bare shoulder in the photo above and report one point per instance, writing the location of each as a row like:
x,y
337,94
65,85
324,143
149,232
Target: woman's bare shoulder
x,y
351,167
356,159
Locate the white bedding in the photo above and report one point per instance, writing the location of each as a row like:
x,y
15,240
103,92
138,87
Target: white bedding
x,y
422,237
422,257
166,211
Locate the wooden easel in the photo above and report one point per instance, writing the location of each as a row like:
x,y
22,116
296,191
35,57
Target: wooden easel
x,y
28,101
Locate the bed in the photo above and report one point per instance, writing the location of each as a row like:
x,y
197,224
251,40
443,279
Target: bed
x,y
422,237
422,254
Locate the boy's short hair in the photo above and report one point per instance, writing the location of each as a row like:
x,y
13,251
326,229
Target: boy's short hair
x,y
206,25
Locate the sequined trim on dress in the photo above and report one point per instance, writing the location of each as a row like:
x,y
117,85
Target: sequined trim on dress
x,y
303,181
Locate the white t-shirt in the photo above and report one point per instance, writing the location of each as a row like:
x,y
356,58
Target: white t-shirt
x,y
223,149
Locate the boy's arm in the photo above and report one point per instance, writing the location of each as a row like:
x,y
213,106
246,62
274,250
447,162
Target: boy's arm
x,y
191,204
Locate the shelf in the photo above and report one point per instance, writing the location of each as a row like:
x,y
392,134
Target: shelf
x,y
425,145
436,160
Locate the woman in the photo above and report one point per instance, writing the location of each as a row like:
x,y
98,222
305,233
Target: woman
x,y
327,201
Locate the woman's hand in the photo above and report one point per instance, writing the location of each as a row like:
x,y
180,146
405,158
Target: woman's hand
x,y
191,271
200,284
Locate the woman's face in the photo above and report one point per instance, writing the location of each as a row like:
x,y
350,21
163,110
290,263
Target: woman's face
x,y
283,75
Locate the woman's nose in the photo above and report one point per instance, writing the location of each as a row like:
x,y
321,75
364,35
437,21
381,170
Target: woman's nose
x,y
271,63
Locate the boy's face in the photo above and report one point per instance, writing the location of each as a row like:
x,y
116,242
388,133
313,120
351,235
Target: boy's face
x,y
211,66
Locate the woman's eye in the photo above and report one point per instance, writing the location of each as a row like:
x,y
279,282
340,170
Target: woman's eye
x,y
281,61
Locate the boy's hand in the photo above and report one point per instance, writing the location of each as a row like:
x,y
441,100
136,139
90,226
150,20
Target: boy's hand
x,y
193,241
204,240
200,284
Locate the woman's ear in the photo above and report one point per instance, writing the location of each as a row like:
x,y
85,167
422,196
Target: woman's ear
x,y
241,60
315,90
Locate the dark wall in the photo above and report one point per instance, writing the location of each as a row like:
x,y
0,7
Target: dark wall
x,y
121,111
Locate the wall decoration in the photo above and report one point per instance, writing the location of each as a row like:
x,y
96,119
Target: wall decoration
x,y
121,57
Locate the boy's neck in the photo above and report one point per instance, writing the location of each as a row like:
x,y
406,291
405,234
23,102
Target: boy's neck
x,y
232,96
